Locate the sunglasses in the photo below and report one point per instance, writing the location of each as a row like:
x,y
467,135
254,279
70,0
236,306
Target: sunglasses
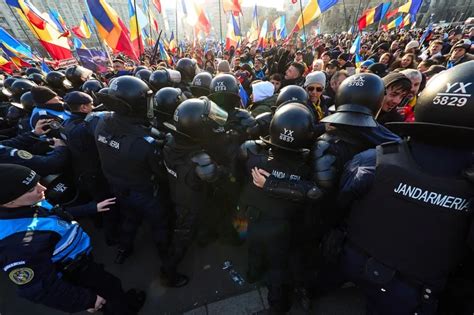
x,y
312,88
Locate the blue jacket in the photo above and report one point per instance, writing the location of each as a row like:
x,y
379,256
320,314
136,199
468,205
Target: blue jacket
x,y
34,243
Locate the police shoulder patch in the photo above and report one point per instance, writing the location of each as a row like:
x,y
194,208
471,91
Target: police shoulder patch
x,y
21,276
25,155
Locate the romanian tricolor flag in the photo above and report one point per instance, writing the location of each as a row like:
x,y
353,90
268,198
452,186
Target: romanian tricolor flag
x,y
13,56
164,55
82,31
173,46
252,35
232,6
48,35
313,9
399,22
233,33
6,65
412,7
135,30
111,28
21,48
262,36
373,15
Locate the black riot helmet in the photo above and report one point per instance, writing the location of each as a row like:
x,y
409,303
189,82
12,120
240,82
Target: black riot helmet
x,y
197,119
20,87
444,111
163,77
291,128
225,91
27,101
144,75
92,86
138,68
187,68
57,80
37,78
30,71
7,83
166,101
201,84
292,94
358,99
129,96
77,75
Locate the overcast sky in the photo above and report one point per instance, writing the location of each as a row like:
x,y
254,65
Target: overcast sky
x,y
278,4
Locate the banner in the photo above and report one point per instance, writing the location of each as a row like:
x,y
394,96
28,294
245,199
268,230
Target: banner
x,y
94,60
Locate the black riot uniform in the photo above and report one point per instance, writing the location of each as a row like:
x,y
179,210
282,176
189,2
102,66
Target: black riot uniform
x,y
353,129
402,251
188,69
190,169
224,148
276,210
89,179
131,162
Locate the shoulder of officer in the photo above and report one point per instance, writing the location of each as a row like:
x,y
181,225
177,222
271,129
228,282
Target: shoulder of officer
x,y
97,115
251,147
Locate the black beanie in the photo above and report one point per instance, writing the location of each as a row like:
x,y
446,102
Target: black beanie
x,y
16,181
42,94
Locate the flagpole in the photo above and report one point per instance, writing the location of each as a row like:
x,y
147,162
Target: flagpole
x,y
220,21
176,9
302,20
354,22
21,26
138,31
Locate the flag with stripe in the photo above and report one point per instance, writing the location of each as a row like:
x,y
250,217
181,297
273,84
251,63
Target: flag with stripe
x,y
313,10
373,15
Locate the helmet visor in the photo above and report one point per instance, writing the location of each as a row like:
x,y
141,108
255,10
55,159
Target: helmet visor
x,y
217,114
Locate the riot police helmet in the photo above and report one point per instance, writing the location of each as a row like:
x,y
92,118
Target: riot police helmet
x,y
166,101
444,111
144,75
37,78
358,100
291,128
187,68
163,77
138,68
201,84
224,90
57,80
30,71
92,86
7,83
27,101
130,96
77,75
197,119
292,94
20,87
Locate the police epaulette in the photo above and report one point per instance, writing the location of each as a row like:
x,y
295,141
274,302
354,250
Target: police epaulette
x,y
92,115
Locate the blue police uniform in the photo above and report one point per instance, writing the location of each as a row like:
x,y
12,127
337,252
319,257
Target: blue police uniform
x,y
47,255
15,151
408,228
48,111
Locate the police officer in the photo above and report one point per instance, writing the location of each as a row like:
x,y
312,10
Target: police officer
x,y
78,75
53,266
48,106
144,75
88,175
352,129
279,187
166,101
92,87
131,162
16,91
17,150
190,169
400,268
163,77
188,69
58,82
201,84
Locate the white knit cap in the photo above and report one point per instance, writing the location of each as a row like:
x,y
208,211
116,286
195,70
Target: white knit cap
x,y
412,44
315,77
262,90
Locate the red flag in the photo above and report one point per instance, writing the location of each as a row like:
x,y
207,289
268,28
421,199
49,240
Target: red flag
x,y
294,1
157,4
156,24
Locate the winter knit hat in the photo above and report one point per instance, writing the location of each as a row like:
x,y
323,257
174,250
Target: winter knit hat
x,y
315,77
262,90
17,180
